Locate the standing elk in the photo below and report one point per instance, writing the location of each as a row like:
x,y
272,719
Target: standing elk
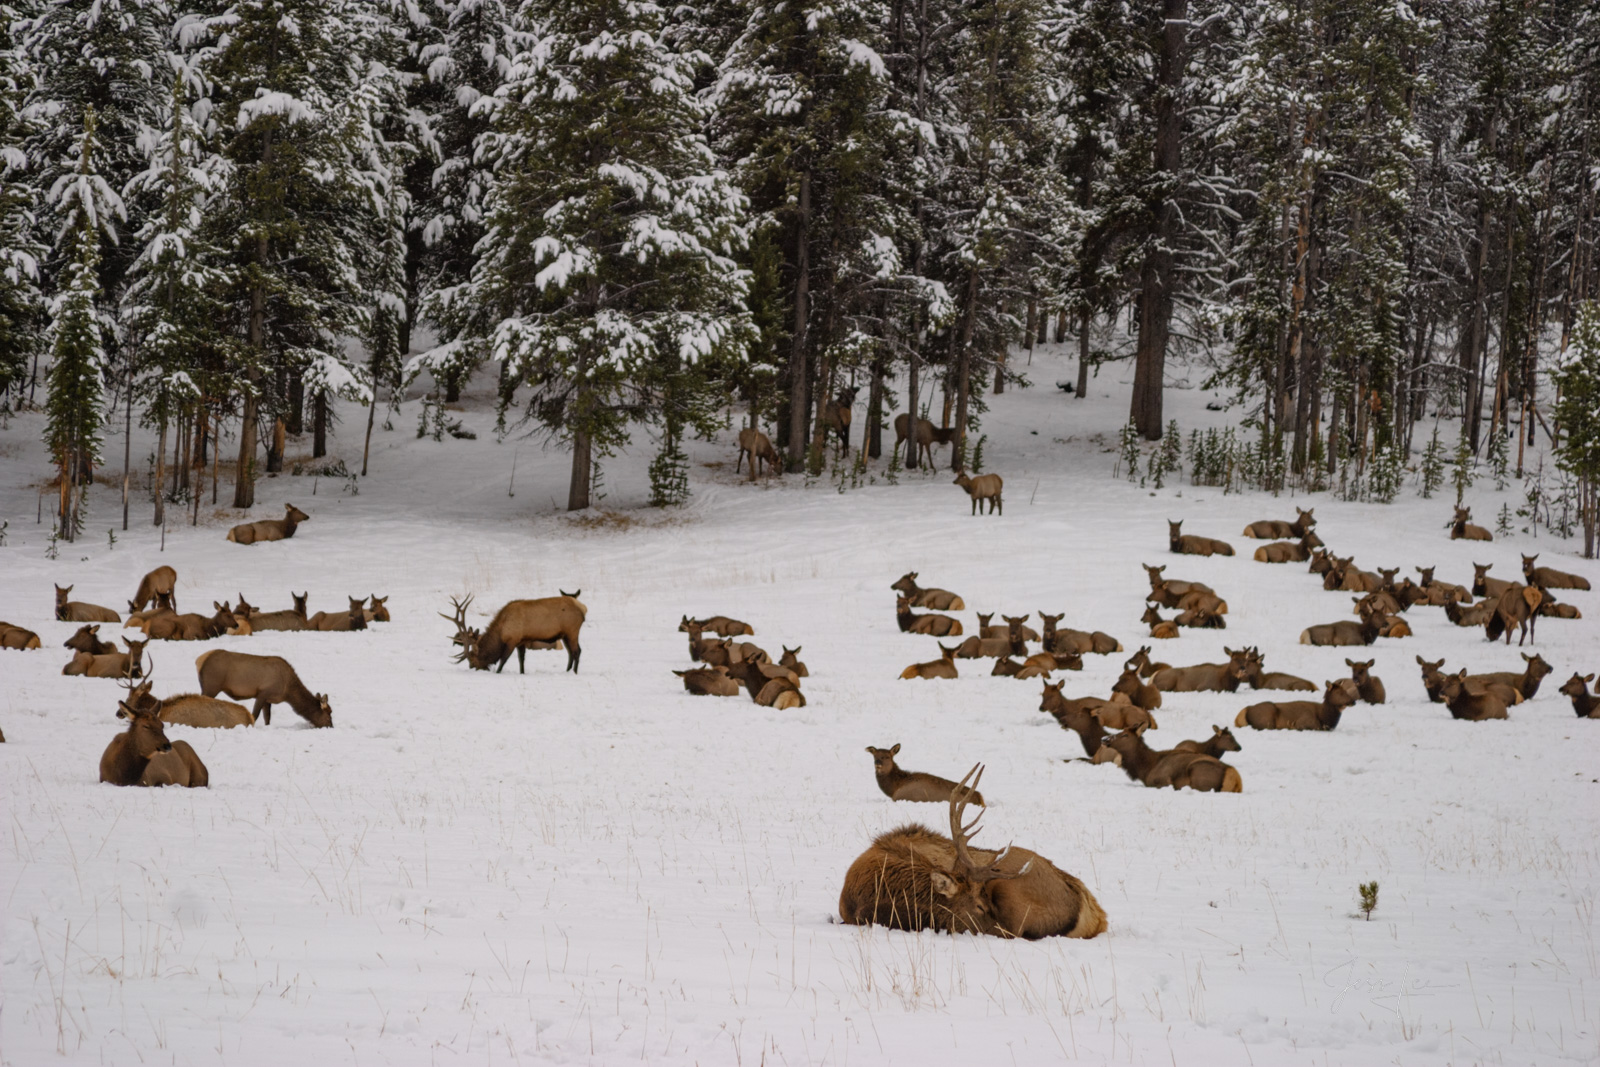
x,y
162,581
1517,608
1577,687
352,618
1273,529
1192,545
928,624
914,879
142,755
268,680
899,784
757,446
191,627
248,533
928,435
985,487
937,599
1177,768
1549,577
709,682
294,619
943,667
79,611
1468,705
720,625
16,637
1301,714
129,664
1369,687
1461,528
514,626
836,417
87,640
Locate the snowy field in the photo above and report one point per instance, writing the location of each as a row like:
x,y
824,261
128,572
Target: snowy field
x,y
599,868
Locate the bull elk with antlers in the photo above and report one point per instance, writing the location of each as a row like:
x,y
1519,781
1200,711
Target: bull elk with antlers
x,y
520,625
142,755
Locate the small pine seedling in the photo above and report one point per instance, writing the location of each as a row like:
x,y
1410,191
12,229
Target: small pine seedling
x,y
111,539
1369,898
1504,523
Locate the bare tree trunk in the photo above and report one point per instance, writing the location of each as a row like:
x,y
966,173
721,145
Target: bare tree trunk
x,y
297,403
874,435
798,379
1475,343
127,446
319,426
958,459
161,475
244,480
582,471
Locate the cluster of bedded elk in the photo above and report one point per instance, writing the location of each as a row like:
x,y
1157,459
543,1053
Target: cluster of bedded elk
x,y
731,663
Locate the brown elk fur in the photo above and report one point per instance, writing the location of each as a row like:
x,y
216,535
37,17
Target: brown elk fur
x,y
87,640
791,659
129,664
1577,687
976,647
1433,683
986,629
191,627
1462,530
16,637
720,625
914,879
985,487
1471,614
836,417
141,619
1192,545
142,755
1551,609
1179,769
1140,661
1517,608
1321,561
377,609
1160,629
294,619
1440,593
943,667
709,682
1140,694
757,446
1485,586
899,784
928,435
1220,741
1369,687
1287,551
1271,529
352,618
1301,714
513,629
1342,632
159,582
1525,682
1432,680
191,709
248,533
1079,641
1075,715
268,680
1169,591
78,611
929,624
937,599
1206,677
1549,577
1467,705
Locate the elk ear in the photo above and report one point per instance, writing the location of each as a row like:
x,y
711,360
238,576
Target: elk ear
x,y
942,884
895,751
1525,657
1349,662
1588,677
122,711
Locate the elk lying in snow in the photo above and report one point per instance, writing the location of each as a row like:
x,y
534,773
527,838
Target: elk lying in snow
x,y
1207,677
1288,551
943,667
142,755
709,682
377,609
352,618
1140,661
129,664
768,684
1139,694
1471,614
1027,633
1079,641
713,652
1220,741
1517,608
294,619
1321,561
79,611
514,628
1433,682
1369,687
836,417
928,435
1549,577
1161,629
248,533
162,581
791,659
1193,545
1272,529
720,625
191,627
1279,680
1440,593
757,446
1345,575
937,599
1177,768
139,619
1076,715
1169,592
914,879
1301,714
1342,632
1461,529
976,647
87,640
1577,687
985,487
912,785
1201,618
1551,609
1386,603
1525,682
931,625
191,709
268,680
1466,704
16,637
1485,586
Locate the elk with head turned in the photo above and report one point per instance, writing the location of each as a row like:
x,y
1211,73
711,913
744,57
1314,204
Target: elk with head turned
x,y
900,784
87,639
1577,687
943,667
1272,529
1289,551
188,709
547,619
1160,629
377,609
1221,741
142,755
720,625
1169,592
929,624
937,599
129,664
1464,703
836,417
984,487
1057,639
80,611
709,682
1461,528
914,879
1437,593
249,533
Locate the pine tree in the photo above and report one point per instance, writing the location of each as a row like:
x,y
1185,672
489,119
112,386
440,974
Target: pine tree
x,y
21,303
1579,415
607,267
1431,469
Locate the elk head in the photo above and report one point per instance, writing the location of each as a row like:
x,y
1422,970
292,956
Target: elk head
x,y
883,759
144,727
962,887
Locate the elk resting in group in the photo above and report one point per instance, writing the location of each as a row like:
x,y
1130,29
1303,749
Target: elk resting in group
x,y
1369,687
16,637
352,618
1343,632
1177,768
720,625
162,581
1169,592
129,664
78,611
931,625
985,487
1440,593
1301,714
769,685
377,609
1433,682
1140,694
190,709
1271,529
1485,586
137,618
1461,529
1193,545
1079,641
514,626
294,619
914,879
268,680
1027,633
898,784
1160,629
1466,704
87,640
791,659
1586,705
142,755
248,533
191,627
1288,551
1526,682
1207,677
937,599
1220,741
1471,614
709,682
976,647
1517,608
943,667
1549,577
758,447
928,435
1140,661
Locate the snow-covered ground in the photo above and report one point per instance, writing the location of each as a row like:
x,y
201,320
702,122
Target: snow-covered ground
x,y
600,868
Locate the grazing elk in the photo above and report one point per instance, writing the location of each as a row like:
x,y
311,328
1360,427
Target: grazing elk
x,y
268,680
836,417
1468,705
1526,682
937,599
943,667
791,659
1343,632
1220,741
914,879
129,664
16,637
1161,629
86,640
1369,687
1177,768
912,785
1207,677
248,533
1461,528
1440,593
294,619
709,682
142,755
1288,551
1577,687
928,435
720,625
985,487
1301,714
191,627
1549,577
514,627
352,618
1194,545
758,447
189,709
79,611
138,619
1139,694
1517,608
1079,641
162,581
929,624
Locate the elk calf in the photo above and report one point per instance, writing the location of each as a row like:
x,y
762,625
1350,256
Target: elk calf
x,y
352,618
377,609
984,487
78,611
1577,687
142,755
1462,530
248,533
268,679
1369,687
943,667
1192,545
912,785
1161,629
791,659
1139,694
937,599
1220,741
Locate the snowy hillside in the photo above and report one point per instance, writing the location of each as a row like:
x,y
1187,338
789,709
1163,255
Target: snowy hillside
x,y
599,868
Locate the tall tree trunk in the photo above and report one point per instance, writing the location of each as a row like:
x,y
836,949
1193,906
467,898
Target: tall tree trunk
x,y
161,475
958,459
874,434
798,377
244,481
582,471
297,404
1475,341
1157,276
127,446
319,425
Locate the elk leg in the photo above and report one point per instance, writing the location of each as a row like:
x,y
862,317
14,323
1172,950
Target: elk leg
x,y
522,659
573,654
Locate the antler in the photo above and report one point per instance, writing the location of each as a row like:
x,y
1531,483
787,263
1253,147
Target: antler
x,y
467,639
961,835
460,616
